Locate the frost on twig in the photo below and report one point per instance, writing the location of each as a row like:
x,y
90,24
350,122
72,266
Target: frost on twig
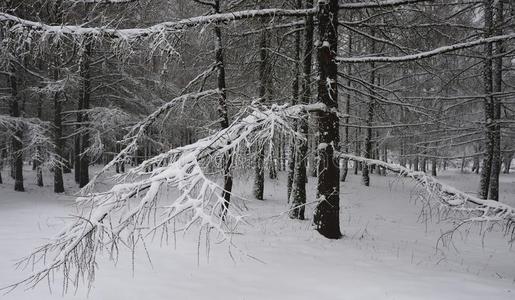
x,y
140,205
452,203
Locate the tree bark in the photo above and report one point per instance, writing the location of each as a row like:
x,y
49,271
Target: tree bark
x,y
327,211
295,95
16,139
222,111
345,162
85,95
497,88
58,141
298,193
259,178
486,171
508,157
370,117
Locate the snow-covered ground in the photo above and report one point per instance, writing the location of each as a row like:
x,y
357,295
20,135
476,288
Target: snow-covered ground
x,y
387,253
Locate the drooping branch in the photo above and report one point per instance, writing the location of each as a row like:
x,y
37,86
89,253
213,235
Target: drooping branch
x,y
133,209
380,4
468,208
133,138
426,54
16,23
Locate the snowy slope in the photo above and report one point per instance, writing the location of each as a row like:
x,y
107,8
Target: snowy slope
x,y
387,253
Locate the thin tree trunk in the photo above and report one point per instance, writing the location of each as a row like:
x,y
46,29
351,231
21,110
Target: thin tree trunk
x,y
327,212
486,171
16,140
357,150
298,193
222,111
295,95
85,95
58,141
370,117
345,162
497,88
508,157
259,178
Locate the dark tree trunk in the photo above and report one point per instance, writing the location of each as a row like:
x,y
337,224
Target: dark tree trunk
x,y
497,88
312,157
295,95
415,163
345,162
259,178
86,95
370,117
486,171
58,128
357,150
272,165
38,160
16,140
327,212
298,193
222,111
58,141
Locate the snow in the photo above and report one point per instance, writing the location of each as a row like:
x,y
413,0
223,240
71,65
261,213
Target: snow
x,y
426,54
385,254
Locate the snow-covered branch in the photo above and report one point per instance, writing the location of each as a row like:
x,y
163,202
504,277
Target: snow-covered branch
x,y
379,4
16,23
426,54
135,135
136,207
468,208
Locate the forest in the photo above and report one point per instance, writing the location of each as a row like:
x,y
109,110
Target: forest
x,y
257,149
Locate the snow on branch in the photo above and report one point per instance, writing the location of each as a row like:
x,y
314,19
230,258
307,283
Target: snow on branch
x,y
140,205
380,4
466,208
137,133
426,54
16,23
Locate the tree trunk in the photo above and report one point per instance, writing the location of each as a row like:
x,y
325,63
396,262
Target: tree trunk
x,y
259,178
486,171
58,141
222,111
433,166
16,140
508,157
295,95
327,212
298,193
497,88
370,116
345,162
357,150
86,94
